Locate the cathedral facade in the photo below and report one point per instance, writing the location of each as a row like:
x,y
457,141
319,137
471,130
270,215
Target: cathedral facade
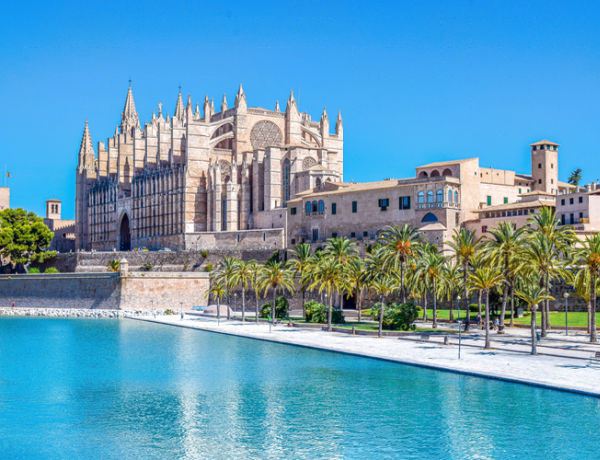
x,y
185,179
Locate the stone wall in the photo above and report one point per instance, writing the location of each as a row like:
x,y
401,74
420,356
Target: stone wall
x,y
262,239
115,291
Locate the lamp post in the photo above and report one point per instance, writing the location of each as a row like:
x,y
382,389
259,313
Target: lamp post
x,y
566,296
181,310
459,324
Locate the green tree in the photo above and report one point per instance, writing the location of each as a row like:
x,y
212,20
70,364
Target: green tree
x,y
343,250
327,277
450,282
218,291
225,274
24,238
575,177
503,247
301,263
533,294
399,244
430,265
275,277
588,258
242,277
465,245
255,270
485,279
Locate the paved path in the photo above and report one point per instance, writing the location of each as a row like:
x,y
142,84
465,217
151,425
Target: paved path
x,y
574,373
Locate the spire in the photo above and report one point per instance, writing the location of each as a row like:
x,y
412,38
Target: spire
x,y
206,109
188,108
129,117
179,106
212,107
86,149
224,103
339,126
160,110
277,109
240,99
324,124
197,112
291,104
324,114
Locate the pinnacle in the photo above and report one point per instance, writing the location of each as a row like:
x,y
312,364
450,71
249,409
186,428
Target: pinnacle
x,y
179,107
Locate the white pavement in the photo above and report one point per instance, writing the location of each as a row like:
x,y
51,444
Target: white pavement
x,y
579,375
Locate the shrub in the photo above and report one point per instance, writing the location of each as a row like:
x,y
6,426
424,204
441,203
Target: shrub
x,y
208,267
147,266
397,316
168,311
317,313
281,308
114,265
204,253
51,270
33,270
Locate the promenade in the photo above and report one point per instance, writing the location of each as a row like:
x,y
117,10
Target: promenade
x,y
563,363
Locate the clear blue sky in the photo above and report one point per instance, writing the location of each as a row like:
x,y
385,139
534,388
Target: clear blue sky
x,y
416,81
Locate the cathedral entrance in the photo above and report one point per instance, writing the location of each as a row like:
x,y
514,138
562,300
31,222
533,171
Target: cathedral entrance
x,y
124,235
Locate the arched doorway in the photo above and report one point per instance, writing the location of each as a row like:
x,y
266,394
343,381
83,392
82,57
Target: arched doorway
x,y
124,234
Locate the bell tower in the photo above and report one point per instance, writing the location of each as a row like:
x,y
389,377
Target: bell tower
x,y
544,166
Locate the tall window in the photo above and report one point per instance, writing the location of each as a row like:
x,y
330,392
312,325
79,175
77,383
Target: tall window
x,y
286,181
439,196
354,206
321,207
333,208
430,196
489,200
404,202
307,208
449,196
224,215
456,197
314,206
420,198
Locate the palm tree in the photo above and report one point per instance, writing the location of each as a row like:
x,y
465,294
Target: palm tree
x,y
343,250
255,270
430,265
225,274
484,279
450,282
274,276
218,291
358,280
533,294
399,244
575,177
589,259
301,263
383,285
327,277
242,277
465,245
503,247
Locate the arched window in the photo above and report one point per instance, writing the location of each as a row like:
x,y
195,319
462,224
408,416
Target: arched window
x,y
430,196
318,182
449,196
314,206
286,180
429,217
423,174
420,198
456,196
447,172
434,173
321,207
439,196
307,208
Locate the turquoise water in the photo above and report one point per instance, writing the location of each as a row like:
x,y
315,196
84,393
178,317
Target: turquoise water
x,y
126,389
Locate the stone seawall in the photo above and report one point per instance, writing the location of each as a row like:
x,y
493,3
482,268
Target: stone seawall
x,y
105,291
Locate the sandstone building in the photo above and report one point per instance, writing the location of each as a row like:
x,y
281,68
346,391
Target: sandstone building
x,y
64,229
198,178
4,198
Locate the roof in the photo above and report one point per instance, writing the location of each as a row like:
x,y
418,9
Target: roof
x,y
565,184
537,192
544,142
517,205
447,163
523,176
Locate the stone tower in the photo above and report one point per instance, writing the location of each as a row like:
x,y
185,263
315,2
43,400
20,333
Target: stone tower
x,y
544,166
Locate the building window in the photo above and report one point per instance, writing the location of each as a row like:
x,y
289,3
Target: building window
x,y
581,199
455,196
365,234
505,200
489,200
552,181
503,213
539,181
562,219
354,206
581,215
551,165
519,191
439,196
333,208
352,234
570,200
384,203
420,198
571,218
293,241
430,196
315,234
484,229
562,202
404,202
314,207
334,234
293,211
307,207
539,165
286,181
321,207
429,217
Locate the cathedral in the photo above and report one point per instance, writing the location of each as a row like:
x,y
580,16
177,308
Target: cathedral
x,y
181,179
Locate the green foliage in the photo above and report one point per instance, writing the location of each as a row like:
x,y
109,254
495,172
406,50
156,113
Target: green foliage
x,y
397,316
33,270
208,267
317,313
147,267
24,238
51,270
168,311
204,253
281,308
474,308
114,265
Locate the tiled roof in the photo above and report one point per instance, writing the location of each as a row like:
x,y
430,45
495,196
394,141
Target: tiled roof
x,y
517,205
447,163
544,142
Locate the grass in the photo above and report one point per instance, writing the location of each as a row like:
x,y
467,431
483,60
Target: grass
x,y
373,326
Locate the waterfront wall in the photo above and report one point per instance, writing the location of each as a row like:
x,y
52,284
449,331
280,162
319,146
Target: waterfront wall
x,y
111,291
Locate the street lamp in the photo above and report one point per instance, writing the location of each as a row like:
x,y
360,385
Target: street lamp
x,y
459,324
181,310
566,296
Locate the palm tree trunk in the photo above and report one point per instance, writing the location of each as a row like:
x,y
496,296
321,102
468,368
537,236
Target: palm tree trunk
x,y
512,304
359,304
543,309
487,318
425,306
218,308
228,304
593,334
243,304
479,302
434,325
256,306
466,295
589,316
451,316
303,307
503,308
381,316
547,304
273,311
329,313
402,292
533,330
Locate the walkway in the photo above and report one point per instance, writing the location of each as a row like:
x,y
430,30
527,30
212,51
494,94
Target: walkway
x,y
566,373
